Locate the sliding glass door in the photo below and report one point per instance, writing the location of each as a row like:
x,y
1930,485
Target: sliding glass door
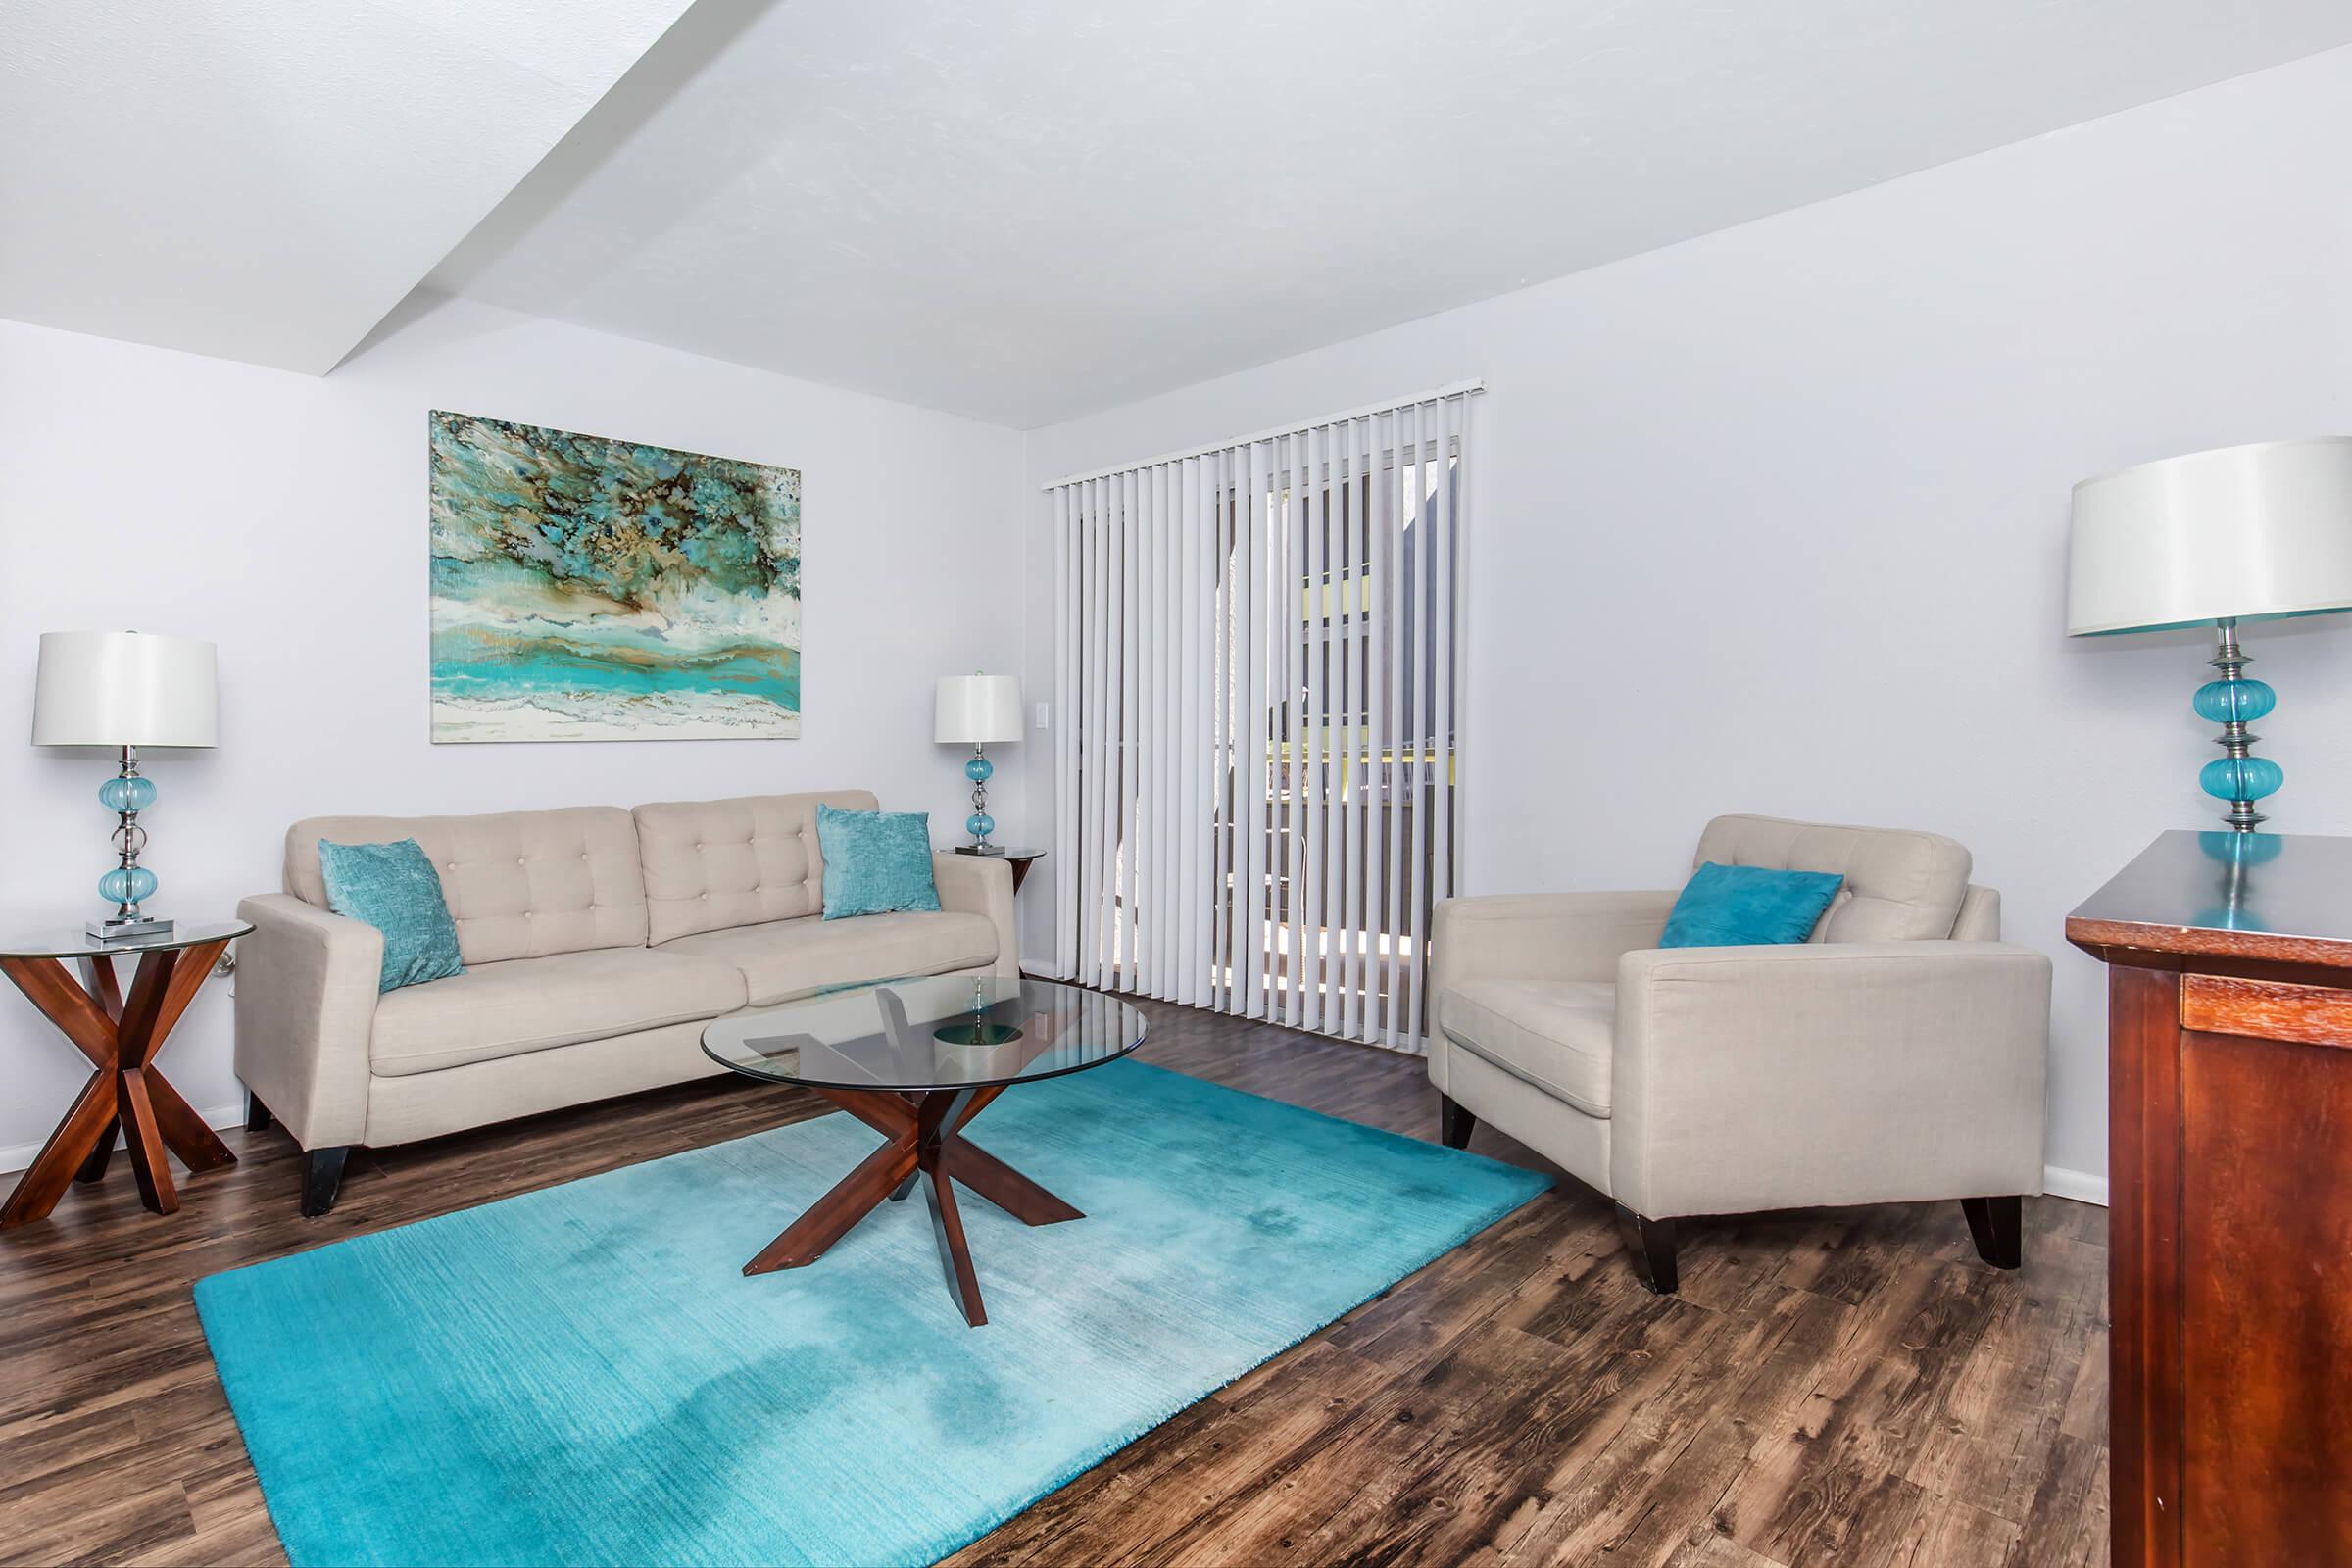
x,y
1260,649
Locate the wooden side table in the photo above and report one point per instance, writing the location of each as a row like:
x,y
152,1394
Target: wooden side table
x,y
1018,858
2230,1162
121,1035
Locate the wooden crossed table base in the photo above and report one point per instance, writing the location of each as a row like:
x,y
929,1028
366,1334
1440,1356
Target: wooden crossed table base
x,y
120,1036
926,1144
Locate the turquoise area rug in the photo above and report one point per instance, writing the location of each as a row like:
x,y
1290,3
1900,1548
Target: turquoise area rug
x,y
583,1375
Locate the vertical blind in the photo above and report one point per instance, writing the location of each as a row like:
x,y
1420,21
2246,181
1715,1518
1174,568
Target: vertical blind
x,y
1258,648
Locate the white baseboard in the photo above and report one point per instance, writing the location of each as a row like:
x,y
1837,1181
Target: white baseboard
x,y
2079,1185
219,1117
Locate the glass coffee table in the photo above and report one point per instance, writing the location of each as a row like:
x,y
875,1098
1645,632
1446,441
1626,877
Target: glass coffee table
x,y
916,1061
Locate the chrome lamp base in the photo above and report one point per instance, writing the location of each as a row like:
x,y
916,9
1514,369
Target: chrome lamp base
x,y
113,929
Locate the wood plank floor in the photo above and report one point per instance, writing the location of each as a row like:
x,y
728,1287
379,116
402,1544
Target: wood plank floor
x,y
1831,1387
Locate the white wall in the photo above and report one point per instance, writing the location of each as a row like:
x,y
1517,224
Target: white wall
x,y
283,517
1775,519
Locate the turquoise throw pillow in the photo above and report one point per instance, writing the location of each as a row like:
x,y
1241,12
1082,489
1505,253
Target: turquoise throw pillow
x,y
877,863
394,888
1746,906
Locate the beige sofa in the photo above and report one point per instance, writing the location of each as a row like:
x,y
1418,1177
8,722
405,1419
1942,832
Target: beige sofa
x,y
1898,1056
597,943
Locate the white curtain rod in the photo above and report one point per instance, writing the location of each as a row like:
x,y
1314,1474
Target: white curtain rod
x,y
1457,389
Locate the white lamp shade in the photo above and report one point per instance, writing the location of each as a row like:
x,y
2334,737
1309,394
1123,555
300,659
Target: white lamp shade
x,y
2245,532
125,688
978,709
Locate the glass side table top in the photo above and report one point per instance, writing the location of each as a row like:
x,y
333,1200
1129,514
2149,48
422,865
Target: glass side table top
x,y
936,1032
70,942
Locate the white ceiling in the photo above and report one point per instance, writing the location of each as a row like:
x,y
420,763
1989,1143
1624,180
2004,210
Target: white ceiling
x,y
264,179
1019,210
1030,209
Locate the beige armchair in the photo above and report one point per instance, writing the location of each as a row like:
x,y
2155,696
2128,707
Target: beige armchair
x,y
1896,1056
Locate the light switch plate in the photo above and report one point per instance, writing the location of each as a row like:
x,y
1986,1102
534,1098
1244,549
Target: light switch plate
x,y
1041,716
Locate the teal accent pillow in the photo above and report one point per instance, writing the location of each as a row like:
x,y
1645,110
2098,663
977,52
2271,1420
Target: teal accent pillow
x,y
394,888
1747,905
877,863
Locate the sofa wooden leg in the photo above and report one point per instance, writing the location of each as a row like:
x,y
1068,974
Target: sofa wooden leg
x,y
1454,1124
321,1179
1650,1242
1998,1225
257,1114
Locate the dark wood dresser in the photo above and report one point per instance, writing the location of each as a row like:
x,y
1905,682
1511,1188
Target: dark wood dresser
x,y
2230,1176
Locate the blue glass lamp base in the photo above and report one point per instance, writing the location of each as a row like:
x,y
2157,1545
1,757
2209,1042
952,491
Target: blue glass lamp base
x,y
2235,702
2240,779
133,884
129,883
980,825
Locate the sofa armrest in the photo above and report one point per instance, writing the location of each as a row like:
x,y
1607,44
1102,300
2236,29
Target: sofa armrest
x,y
306,993
981,884
1541,936
1774,1077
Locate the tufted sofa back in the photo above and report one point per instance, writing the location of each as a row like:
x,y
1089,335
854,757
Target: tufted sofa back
x,y
1906,885
519,883
712,864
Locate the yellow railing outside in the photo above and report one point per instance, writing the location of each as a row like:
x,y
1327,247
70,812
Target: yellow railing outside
x,y
1350,596
1320,746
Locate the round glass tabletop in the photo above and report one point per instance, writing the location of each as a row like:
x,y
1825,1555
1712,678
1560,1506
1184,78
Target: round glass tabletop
x,y
936,1032
68,942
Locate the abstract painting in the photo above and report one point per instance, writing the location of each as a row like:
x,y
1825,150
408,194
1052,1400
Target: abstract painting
x,y
587,589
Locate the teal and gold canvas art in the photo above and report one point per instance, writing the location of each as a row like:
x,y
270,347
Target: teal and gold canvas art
x,y
589,589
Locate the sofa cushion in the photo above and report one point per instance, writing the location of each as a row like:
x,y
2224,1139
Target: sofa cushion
x,y
523,1005
1557,1034
709,865
394,888
784,959
1906,885
877,863
1748,905
519,883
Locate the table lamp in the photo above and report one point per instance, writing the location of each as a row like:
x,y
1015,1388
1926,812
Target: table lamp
x,y
125,690
2243,533
978,710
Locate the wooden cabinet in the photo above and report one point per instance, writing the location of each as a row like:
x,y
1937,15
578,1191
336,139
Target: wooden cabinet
x,y
2230,1181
